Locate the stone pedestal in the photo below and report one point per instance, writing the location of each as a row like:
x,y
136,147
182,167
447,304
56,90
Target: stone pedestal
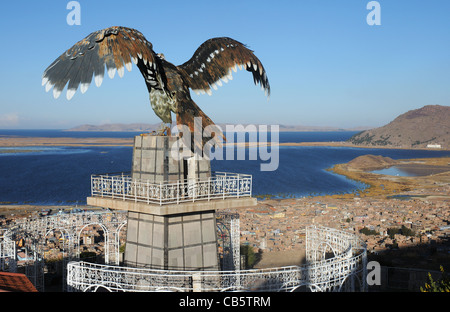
x,y
184,241
153,160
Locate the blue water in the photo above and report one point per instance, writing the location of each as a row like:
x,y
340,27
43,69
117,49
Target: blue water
x,y
61,175
394,171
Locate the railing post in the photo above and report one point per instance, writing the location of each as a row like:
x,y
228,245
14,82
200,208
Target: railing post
x,y
160,193
209,188
123,183
101,181
223,186
112,187
238,186
148,192
194,188
197,282
178,191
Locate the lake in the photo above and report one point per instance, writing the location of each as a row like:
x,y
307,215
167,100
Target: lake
x,y
61,175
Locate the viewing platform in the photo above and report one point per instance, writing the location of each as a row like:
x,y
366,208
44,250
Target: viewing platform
x,y
221,190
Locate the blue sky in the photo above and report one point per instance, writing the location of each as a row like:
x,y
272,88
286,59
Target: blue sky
x,y
326,65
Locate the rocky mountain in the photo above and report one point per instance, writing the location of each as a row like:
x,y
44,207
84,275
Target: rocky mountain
x,y
428,126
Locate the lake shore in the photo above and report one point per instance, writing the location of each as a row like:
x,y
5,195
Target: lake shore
x,y
15,141
380,185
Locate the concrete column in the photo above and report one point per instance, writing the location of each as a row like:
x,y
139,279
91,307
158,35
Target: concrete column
x,y
182,241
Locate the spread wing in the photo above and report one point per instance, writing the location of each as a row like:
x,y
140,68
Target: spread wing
x,y
213,61
114,47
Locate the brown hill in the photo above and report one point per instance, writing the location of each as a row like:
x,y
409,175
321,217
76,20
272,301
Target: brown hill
x,y
370,162
419,128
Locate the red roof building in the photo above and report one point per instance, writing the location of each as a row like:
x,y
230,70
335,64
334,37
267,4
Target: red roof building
x,y
15,282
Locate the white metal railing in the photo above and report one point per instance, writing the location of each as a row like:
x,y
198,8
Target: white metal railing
x,y
7,252
221,185
88,277
347,267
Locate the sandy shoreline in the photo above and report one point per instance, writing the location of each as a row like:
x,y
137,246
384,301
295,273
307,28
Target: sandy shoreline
x,y
14,141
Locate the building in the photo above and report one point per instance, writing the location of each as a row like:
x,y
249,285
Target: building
x,y
15,282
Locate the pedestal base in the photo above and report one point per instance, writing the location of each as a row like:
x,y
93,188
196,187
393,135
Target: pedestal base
x,y
173,242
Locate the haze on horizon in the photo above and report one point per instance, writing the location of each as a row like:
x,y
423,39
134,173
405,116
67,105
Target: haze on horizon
x,y
327,67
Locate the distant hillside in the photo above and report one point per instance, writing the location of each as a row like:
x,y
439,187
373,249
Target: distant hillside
x,y
429,125
151,127
118,127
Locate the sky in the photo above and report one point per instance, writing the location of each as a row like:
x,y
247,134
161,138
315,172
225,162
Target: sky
x,y
326,65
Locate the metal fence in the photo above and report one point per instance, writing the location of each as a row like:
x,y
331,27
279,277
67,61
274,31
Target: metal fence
x,y
345,271
221,185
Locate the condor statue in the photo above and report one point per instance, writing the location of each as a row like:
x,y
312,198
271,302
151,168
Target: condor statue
x,y
168,85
